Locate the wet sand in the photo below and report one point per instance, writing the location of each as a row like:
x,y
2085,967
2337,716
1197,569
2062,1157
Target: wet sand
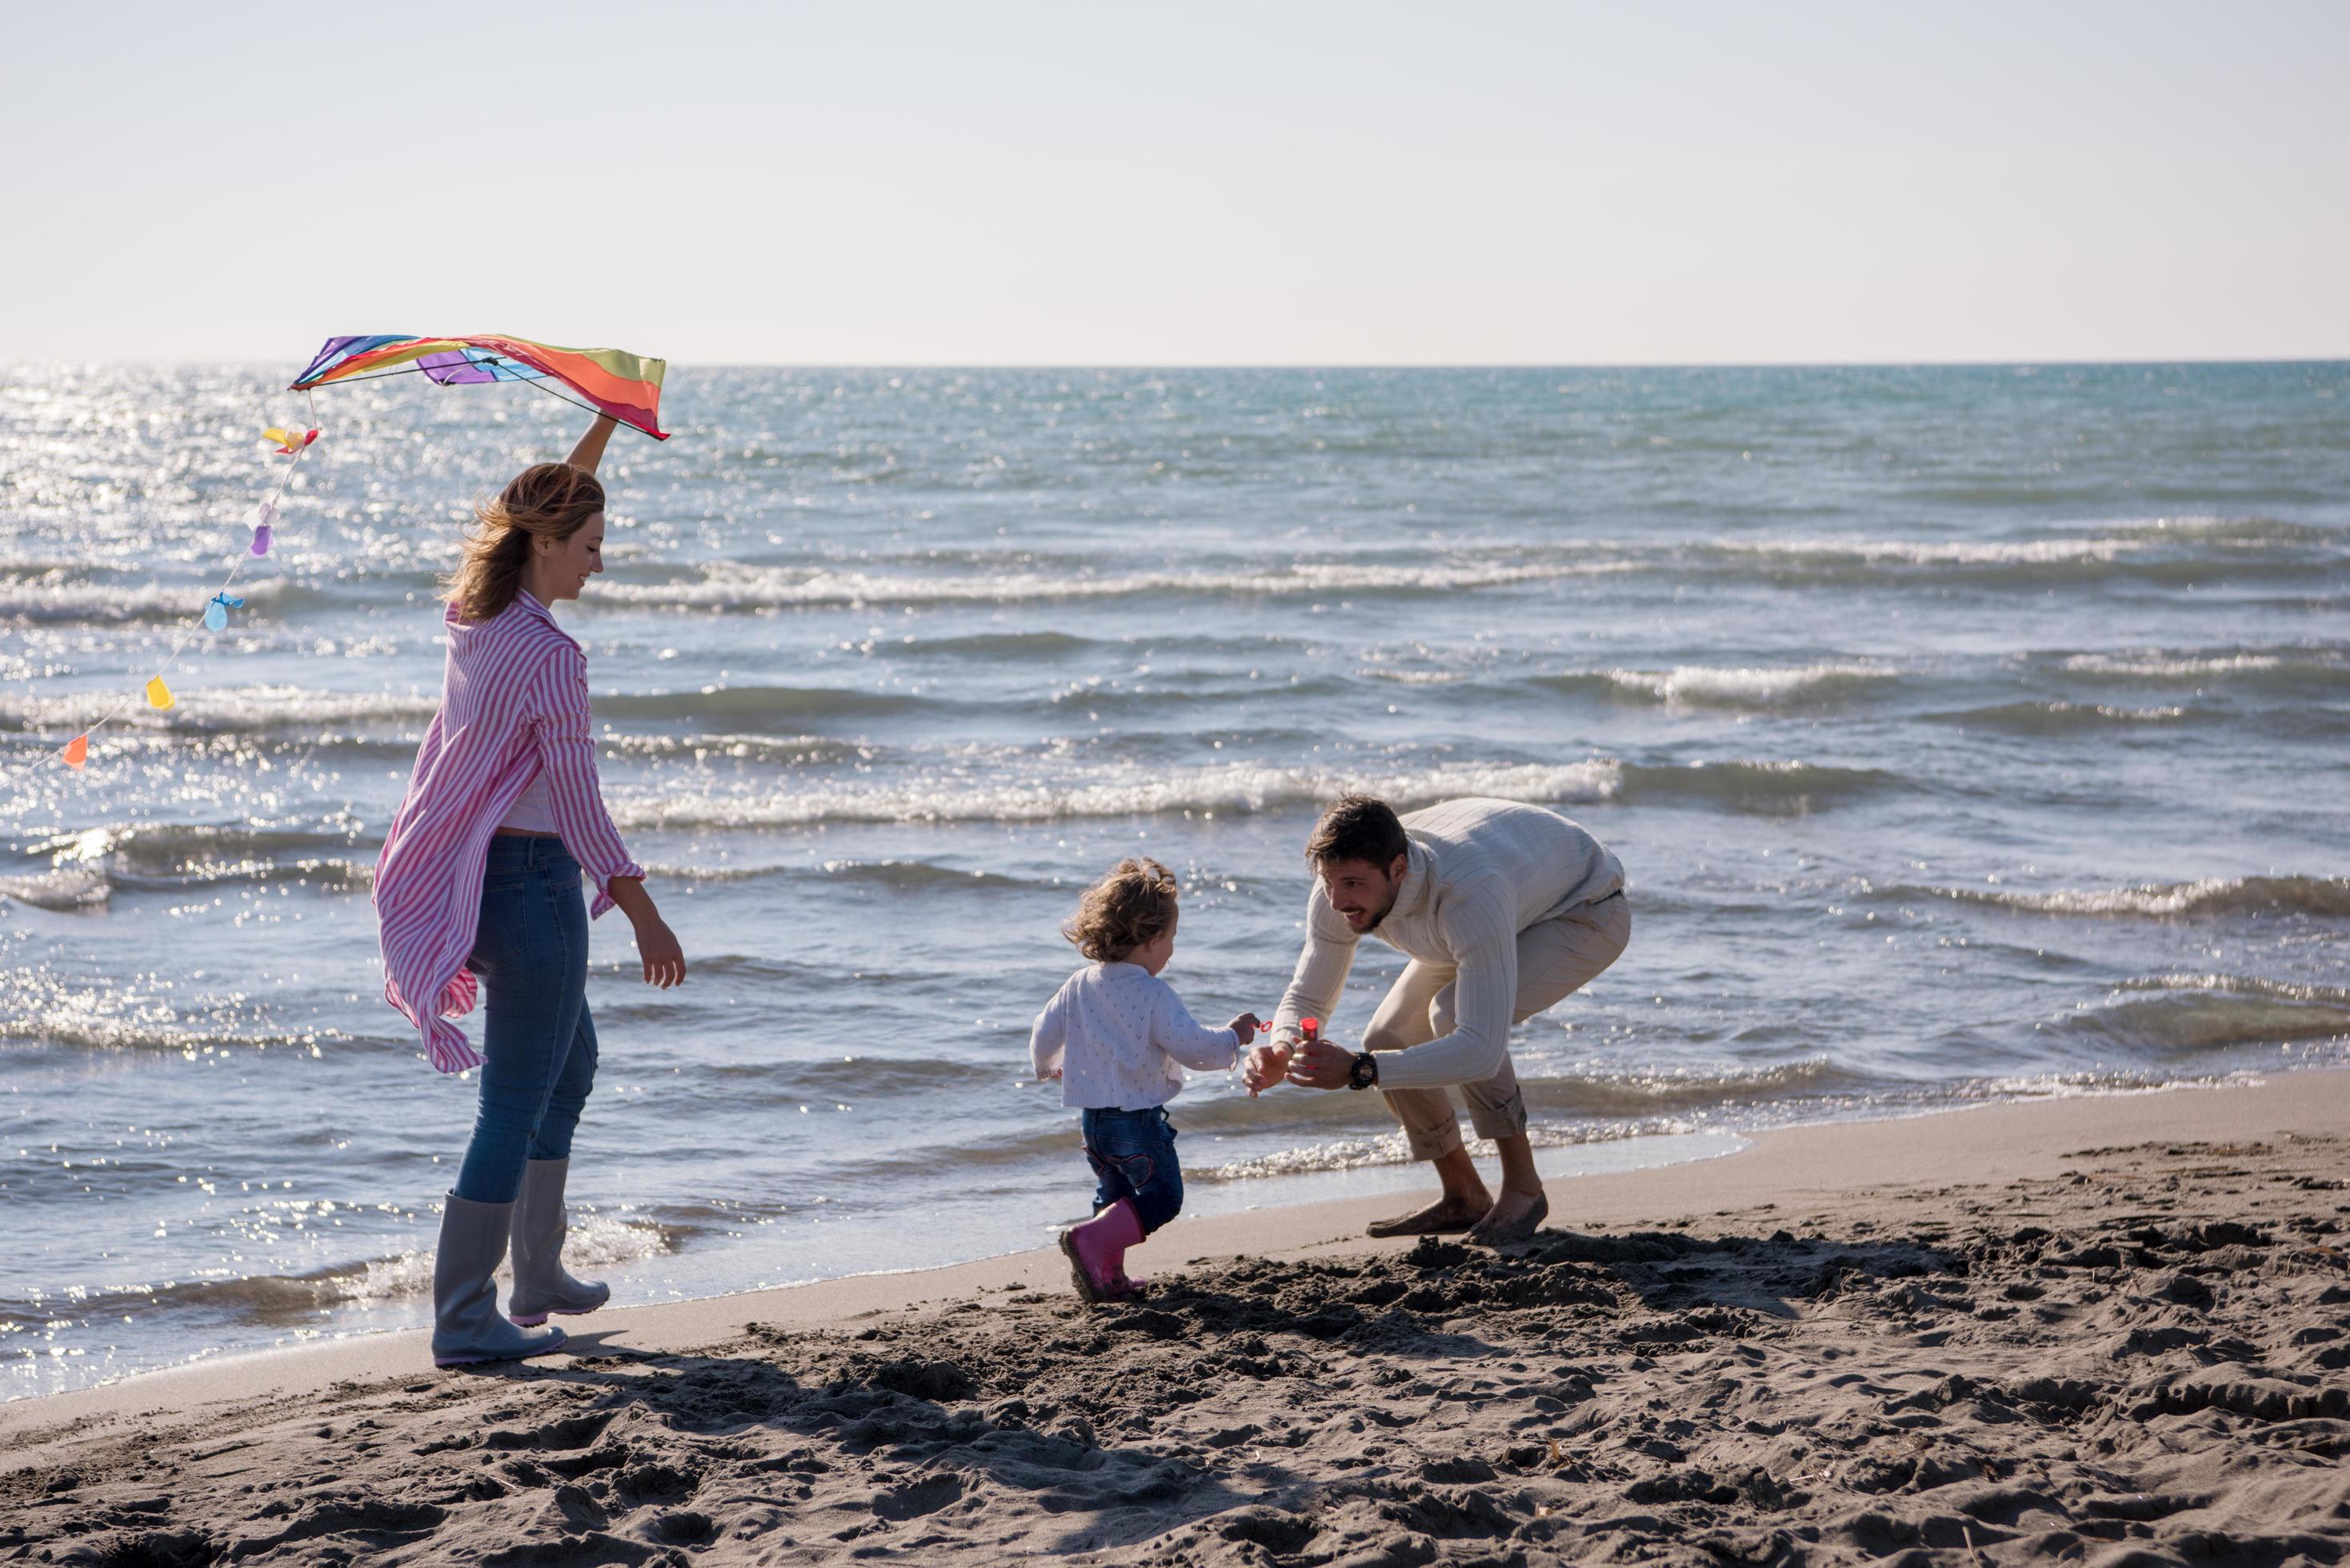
x,y
2105,1330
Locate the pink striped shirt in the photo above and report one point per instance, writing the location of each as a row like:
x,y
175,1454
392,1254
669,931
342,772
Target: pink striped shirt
x,y
514,702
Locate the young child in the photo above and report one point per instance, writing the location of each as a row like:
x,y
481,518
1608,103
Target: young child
x,y
1114,1034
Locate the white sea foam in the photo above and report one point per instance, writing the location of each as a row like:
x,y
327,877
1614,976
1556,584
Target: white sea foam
x,y
1390,1149
2211,896
2034,717
1696,684
2244,986
57,595
593,1241
2151,667
1239,787
228,707
1934,553
730,586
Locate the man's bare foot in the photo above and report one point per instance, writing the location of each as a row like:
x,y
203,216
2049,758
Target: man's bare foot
x,y
1446,1214
1513,1217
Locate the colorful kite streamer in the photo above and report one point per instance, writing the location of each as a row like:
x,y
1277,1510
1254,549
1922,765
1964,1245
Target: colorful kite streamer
x,y
213,617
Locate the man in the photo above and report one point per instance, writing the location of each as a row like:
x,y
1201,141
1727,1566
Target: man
x,y
1503,910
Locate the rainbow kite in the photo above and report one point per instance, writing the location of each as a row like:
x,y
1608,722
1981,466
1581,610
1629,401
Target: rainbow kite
x,y
614,383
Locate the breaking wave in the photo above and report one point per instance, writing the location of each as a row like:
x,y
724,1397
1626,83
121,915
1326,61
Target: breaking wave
x,y
67,888
2057,718
598,1240
2170,550
2161,900
60,595
751,588
246,707
2192,1016
2244,985
1238,788
2279,669
1243,788
1696,685
2159,668
743,704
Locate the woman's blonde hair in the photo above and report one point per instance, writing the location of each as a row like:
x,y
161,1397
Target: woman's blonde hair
x,y
1133,904
553,500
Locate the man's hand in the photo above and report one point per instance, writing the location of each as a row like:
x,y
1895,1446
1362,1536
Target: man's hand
x,y
1318,1064
1245,1027
1266,1065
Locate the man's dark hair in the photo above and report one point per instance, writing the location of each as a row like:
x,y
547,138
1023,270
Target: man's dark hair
x,y
1358,828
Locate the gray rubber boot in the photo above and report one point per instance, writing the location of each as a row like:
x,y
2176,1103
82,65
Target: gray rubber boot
x,y
466,1326
541,1286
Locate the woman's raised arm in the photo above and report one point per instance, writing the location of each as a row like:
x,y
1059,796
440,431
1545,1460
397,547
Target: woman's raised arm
x,y
590,449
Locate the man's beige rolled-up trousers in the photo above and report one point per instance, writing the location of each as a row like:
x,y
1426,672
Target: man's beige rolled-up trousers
x,y
1556,958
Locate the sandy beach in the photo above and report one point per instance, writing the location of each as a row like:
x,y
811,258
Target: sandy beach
x,y
2107,1329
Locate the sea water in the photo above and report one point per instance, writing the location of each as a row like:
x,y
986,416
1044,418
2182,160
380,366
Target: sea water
x,y
1966,734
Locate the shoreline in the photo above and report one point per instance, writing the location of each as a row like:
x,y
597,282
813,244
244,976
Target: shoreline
x,y
1776,1167
2108,1329
1378,1184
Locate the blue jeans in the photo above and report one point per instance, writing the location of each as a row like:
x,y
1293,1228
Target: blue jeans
x,y
538,1045
1133,1153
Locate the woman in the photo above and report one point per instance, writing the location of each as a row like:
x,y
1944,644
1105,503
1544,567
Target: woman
x,y
479,881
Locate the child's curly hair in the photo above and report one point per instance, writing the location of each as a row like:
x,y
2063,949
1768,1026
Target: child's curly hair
x,y
1133,904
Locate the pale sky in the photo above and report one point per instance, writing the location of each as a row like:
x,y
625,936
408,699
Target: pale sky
x,y
995,182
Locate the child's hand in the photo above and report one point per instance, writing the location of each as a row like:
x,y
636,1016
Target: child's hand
x,y
1267,1066
1245,1027
1052,1076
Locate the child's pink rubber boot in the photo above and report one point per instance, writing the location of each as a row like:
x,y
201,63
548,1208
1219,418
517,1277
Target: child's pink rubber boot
x,y
1096,1251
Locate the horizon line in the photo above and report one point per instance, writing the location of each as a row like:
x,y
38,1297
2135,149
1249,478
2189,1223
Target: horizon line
x,y
2026,363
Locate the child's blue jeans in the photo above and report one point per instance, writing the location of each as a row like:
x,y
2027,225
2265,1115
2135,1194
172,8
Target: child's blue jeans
x,y
538,1045
1133,1153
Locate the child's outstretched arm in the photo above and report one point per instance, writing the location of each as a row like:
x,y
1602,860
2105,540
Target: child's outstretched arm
x,y
1049,1040
1174,1031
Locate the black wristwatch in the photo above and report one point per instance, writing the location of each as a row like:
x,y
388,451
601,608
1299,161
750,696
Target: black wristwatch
x,y
1364,1073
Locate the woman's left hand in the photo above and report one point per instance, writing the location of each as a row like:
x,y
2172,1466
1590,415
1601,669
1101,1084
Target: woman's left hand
x,y
664,960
